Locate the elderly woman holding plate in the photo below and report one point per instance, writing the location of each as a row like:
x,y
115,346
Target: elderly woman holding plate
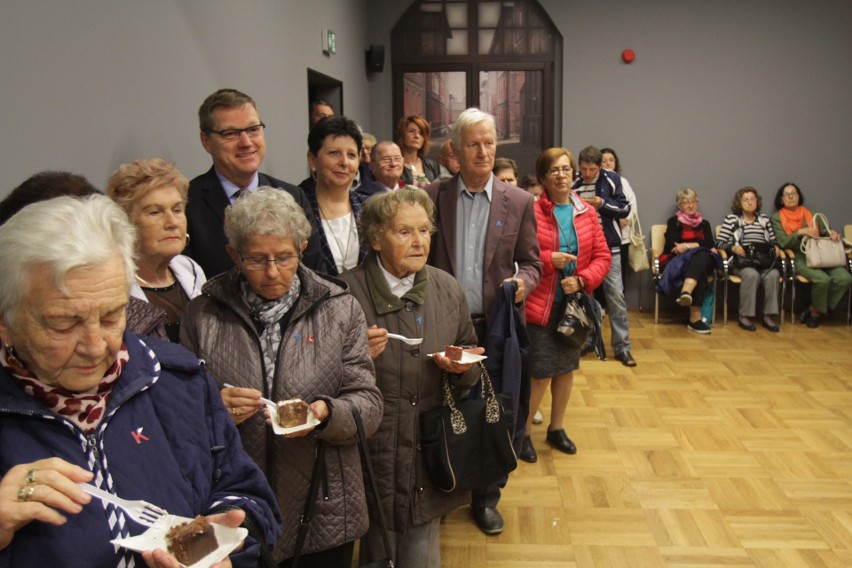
x,y
401,295
273,328
81,400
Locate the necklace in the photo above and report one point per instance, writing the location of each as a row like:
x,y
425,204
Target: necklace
x,y
147,284
344,252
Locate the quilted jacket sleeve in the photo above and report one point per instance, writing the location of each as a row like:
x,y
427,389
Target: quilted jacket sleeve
x,y
358,388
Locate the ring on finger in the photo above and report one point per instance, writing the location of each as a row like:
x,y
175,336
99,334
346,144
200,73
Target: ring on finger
x,y
30,476
235,411
25,493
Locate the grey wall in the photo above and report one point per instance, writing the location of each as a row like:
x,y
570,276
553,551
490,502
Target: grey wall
x,y
88,85
723,93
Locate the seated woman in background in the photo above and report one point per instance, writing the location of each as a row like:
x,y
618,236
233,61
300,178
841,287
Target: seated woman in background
x,y
506,170
792,221
688,258
153,193
412,136
272,327
85,401
400,294
574,257
748,226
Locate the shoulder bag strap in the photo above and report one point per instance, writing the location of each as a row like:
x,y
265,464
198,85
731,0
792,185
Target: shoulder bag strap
x,y
311,502
374,488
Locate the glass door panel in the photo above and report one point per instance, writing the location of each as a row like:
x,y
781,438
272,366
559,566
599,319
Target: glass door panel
x,y
515,100
439,97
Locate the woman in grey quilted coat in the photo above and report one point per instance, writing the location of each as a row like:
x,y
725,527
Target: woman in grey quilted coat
x,y
271,327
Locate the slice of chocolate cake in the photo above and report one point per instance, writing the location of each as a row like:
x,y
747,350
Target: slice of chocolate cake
x,y
453,353
293,412
191,541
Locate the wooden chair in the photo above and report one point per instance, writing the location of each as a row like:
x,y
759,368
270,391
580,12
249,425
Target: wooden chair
x,y
658,241
729,277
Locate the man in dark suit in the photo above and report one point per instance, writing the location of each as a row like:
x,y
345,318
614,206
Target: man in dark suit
x,y
232,133
486,230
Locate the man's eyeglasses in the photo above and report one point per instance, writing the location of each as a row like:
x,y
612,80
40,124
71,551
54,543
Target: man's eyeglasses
x,y
261,262
387,160
234,133
565,170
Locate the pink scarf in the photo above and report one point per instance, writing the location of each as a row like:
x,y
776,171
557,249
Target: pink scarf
x,y
689,220
86,409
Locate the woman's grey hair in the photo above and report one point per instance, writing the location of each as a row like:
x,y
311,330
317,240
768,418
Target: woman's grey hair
x,y
267,211
378,211
470,117
63,233
685,194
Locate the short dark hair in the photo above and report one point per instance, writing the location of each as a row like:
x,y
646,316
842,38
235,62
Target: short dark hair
x,y
779,195
320,102
43,186
590,155
334,126
736,204
505,164
528,181
223,98
614,155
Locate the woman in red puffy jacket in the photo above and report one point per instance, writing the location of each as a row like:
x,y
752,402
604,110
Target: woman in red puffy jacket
x,y
574,256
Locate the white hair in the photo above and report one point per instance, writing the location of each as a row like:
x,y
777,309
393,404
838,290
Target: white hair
x,y
63,233
470,117
267,211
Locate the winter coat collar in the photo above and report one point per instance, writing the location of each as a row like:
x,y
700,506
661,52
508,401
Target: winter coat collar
x,y
384,301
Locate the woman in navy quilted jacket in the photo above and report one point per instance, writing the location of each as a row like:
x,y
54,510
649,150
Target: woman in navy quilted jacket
x,y
81,401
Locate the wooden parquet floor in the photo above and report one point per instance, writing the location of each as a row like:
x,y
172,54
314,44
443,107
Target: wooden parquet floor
x,y
732,449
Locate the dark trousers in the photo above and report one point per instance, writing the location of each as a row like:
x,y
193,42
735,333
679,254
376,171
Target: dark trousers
x,y
700,266
338,557
489,496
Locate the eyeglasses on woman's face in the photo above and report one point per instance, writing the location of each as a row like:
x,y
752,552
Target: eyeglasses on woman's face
x,y
261,262
564,170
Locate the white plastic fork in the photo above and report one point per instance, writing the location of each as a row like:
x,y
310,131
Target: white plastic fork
x,y
266,401
140,511
406,340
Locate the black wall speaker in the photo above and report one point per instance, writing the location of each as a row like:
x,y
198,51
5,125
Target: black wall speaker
x,y
376,58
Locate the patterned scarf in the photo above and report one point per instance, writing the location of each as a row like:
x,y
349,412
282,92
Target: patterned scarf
x,y
689,220
791,219
85,409
266,315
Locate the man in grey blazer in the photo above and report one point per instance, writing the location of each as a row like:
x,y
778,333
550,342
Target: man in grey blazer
x,y
485,230
232,133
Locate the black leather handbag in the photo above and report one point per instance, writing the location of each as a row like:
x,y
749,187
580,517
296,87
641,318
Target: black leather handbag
x,y
760,256
467,444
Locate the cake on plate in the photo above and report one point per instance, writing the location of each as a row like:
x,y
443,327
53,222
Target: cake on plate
x,y
453,353
191,541
293,412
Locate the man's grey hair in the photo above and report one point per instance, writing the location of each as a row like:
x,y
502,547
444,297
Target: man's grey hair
x,y
267,211
470,117
63,233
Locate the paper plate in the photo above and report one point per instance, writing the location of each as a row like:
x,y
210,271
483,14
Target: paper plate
x,y
278,429
155,537
466,357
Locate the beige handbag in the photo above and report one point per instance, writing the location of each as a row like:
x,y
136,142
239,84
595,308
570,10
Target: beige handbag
x,y
637,254
823,252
